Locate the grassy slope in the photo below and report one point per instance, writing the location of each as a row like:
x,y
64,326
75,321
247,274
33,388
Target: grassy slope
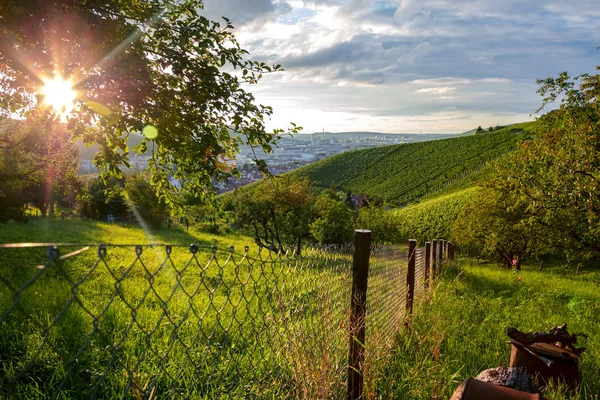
x,y
458,332
432,218
78,231
405,173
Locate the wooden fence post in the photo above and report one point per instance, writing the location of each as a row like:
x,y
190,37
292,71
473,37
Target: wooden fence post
x,y
360,274
450,251
434,265
410,276
427,263
438,255
444,256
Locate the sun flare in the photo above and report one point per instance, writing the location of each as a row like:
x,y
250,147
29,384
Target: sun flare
x,y
59,95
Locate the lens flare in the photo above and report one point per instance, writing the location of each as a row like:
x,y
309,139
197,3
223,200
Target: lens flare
x,y
59,95
150,132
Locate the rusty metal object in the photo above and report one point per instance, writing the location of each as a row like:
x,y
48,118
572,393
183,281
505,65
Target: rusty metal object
x,y
548,355
473,389
546,362
513,378
558,336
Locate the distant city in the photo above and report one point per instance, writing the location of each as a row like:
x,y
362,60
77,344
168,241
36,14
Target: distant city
x,y
291,153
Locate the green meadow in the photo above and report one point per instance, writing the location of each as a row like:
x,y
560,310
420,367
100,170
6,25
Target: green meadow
x,y
218,324
459,330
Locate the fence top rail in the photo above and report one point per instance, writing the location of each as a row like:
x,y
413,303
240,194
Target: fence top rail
x,y
33,245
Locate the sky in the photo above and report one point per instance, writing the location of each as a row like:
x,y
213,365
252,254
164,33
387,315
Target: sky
x,y
410,66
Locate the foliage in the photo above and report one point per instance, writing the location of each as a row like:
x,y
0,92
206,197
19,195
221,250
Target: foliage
x,y
210,218
549,189
333,222
276,212
38,160
95,201
433,218
405,173
150,63
558,172
496,226
11,203
284,211
380,222
143,201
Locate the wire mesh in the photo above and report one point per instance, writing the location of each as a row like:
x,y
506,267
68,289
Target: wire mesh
x,y
386,299
420,273
173,322
179,321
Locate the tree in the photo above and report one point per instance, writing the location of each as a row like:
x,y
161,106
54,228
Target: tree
x,y
333,220
550,187
154,64
95,200
497,225
142,200
479,130
558,172
38,160
276,212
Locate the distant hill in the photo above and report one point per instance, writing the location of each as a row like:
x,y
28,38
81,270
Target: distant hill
x,y
405,173
410,137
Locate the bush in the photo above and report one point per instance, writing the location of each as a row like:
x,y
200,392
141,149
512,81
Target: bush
x,y
143,201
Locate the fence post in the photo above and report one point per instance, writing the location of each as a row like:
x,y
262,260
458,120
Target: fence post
x,y
410,276
444,254
434,266
438,255
360,274
450,251
427,263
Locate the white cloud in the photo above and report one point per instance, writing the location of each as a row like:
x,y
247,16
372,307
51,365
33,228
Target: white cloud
x,y
437,90
441,81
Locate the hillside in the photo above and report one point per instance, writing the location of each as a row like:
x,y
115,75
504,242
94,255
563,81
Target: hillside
x,y
404,173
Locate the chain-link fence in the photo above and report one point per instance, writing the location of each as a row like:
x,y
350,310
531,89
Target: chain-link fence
x,y
173,321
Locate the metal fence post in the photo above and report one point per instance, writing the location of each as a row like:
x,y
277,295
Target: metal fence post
x,y
360,274
427,263
410,276
434,265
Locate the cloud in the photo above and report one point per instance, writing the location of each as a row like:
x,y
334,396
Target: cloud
x,y
437,90
495,80
441,81
410,58
242,12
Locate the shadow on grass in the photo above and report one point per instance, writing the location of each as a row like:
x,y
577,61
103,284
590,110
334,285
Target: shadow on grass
x,y
479,285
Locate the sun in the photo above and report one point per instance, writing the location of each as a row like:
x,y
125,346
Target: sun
x,y
59,95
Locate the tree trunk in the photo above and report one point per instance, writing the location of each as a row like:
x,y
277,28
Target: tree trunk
x,y
51,206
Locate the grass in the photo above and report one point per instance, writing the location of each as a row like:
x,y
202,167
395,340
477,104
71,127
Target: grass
x,y
205,326
431,218
459,331
240,328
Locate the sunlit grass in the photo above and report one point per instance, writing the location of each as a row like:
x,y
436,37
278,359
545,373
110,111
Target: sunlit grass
x,y
459,332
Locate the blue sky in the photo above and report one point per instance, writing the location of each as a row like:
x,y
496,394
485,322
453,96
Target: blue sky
x,y
410,65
